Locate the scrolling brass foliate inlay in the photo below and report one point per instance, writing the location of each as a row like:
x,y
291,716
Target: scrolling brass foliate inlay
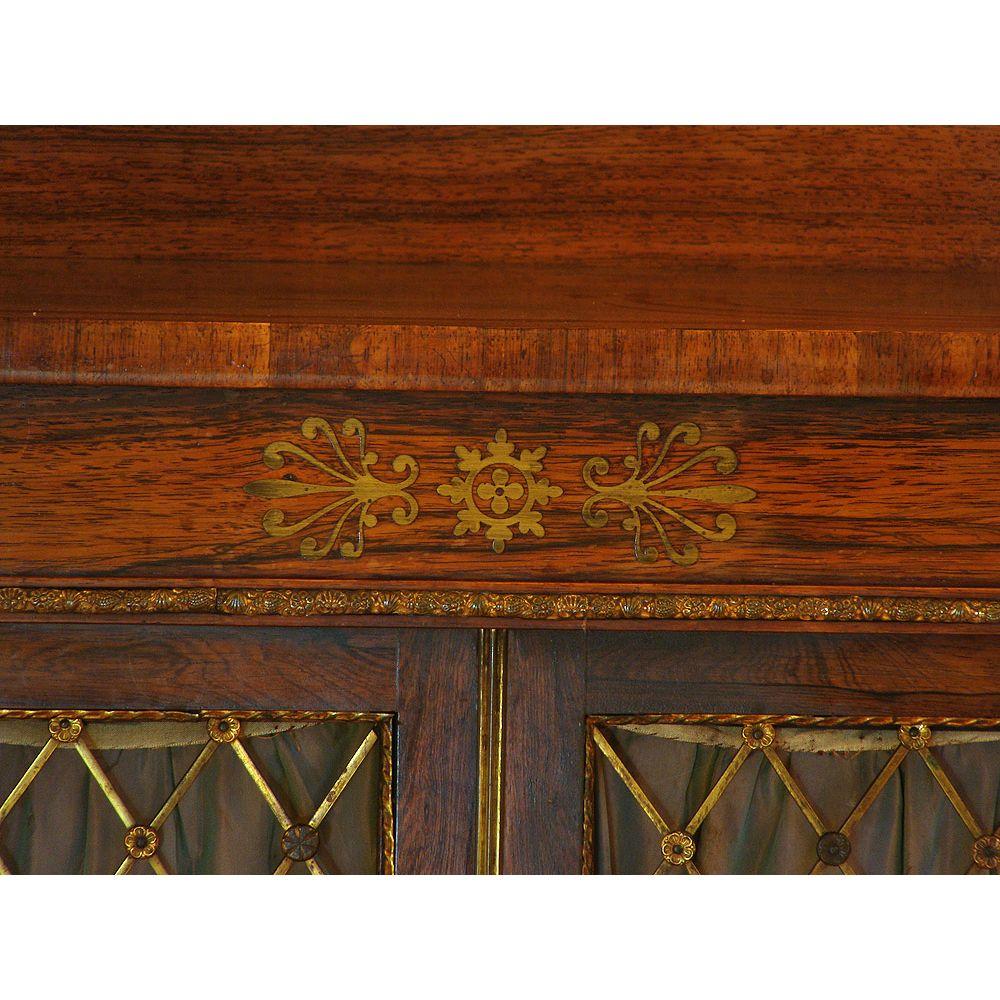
x,y
649,499
499,491
355,488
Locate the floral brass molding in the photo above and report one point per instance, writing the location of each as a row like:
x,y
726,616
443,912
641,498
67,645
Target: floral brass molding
x,y
300,602
356,489
507,487
646,495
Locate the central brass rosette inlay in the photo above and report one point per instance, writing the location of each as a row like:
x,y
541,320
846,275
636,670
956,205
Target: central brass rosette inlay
x,y
500,491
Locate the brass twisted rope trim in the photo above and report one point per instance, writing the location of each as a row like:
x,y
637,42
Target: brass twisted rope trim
x,y
303,602
153,715
387,798
812,721
587,866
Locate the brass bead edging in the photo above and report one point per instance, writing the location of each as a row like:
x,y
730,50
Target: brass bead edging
x,y
302,602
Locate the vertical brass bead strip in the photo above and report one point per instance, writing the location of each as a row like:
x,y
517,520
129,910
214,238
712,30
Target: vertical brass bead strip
x,y
492,681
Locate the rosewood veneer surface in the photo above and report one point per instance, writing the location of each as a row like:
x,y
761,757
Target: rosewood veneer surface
x,y
823,304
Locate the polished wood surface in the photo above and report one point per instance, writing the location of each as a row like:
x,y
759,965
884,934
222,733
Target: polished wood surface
x,y
437,746
827,197
903,672
657,295
183,668
148,485
774,261
543,771
951,362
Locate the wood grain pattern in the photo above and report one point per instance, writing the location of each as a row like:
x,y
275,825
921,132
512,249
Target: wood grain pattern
x,y
783,362
148,486
437,745
746,260
543,773
176,668
811,674
629,294
911,197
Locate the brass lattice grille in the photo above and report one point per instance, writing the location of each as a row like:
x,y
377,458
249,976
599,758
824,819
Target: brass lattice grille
x,y
761,737
301,834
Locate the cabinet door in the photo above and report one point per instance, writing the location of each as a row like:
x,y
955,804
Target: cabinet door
x,y
757,751
202,749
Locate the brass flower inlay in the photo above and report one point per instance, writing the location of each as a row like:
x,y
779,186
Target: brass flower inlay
x,y
355,488
758,735
500,491
65,728
224,730
915,737
986,852
648,498
141,842
677,847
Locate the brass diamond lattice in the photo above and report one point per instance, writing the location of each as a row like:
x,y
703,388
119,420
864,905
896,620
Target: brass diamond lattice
x,y
678,842
142,840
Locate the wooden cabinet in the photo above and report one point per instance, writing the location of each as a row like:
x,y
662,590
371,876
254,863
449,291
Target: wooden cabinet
x,y
519,447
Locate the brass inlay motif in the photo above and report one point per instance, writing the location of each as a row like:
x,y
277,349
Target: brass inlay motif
x,y
499,491
649,499
355,488
299,842
833,846
297,602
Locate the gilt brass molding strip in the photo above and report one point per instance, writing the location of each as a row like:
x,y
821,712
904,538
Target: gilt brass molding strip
x,y
305,602
492,683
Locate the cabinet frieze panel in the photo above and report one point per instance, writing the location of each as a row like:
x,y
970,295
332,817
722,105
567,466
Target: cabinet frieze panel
x,y
400,491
